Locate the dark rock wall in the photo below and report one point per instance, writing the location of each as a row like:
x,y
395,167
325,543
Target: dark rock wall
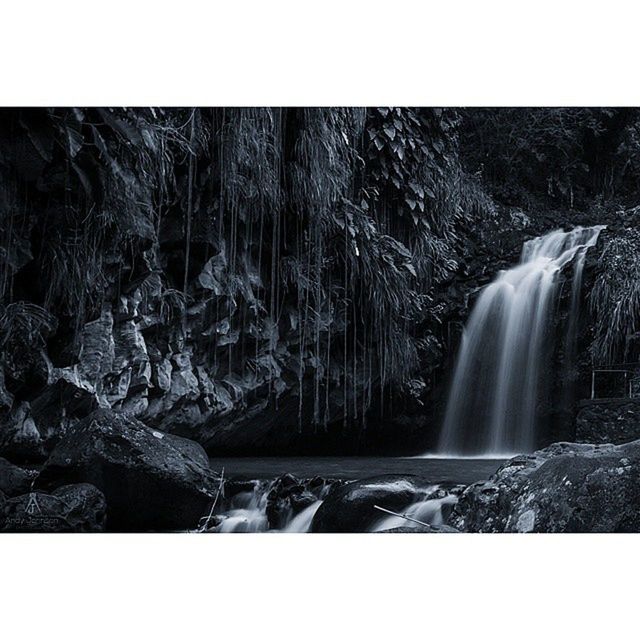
x,y
609,420
258,279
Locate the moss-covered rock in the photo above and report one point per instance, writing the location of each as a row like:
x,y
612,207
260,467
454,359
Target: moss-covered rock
x,y
565,488
151,480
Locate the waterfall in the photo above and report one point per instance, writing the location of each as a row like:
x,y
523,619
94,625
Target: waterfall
x,y
503,358
430,510
246,511
302,522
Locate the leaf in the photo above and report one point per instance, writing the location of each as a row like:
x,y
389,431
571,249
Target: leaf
x,y
74,141
411,269
390,131
417,189
84,180
124,128
41,138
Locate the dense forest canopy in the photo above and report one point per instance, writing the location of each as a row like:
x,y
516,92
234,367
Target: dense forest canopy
x,y
199,266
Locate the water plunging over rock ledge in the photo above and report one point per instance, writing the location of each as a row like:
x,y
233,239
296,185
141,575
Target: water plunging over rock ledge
x,y
504,355
293,505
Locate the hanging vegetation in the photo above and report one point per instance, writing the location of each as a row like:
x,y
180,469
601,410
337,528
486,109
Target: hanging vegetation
x,y
199,267
615,299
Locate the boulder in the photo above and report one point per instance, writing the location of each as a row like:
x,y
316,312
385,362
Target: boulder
x,y
15,480
70,508
287,497
430,528
151,480
564,488
32,428
349,508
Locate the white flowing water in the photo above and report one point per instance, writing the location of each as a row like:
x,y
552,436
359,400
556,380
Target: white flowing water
x,y
428,511
247,512
504,356
302,522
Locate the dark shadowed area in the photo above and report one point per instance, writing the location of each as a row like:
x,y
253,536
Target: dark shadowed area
x,y
435,470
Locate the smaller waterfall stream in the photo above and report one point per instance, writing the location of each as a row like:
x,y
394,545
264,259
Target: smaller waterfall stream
x,y
430,511
497,383
247,511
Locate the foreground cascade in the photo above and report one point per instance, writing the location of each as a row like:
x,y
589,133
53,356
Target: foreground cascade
x,y
503,354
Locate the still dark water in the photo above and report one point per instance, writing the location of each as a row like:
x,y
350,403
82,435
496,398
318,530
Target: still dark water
x,y
436,470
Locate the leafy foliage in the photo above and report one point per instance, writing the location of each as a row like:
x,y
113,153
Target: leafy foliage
x,y
263,251
559,154
615,298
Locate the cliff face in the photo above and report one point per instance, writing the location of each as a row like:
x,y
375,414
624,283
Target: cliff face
x,y
265,281
258,279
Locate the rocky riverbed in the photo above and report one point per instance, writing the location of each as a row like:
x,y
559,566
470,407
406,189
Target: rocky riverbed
x,y
110,472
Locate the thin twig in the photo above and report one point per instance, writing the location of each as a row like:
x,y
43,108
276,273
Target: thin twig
x,y
205,525
401,515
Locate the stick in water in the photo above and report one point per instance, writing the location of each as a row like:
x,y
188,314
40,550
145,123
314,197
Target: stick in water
x,y
205,525
400,515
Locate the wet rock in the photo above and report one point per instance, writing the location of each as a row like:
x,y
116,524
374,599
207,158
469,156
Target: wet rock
x,y
30,431
131,363
350,508
6,399
97,350
14,480
213,275
20,439
162,374
233,487
58,406
152,480
608,421
563,488
94,362
422,529
70,508
287,497
113,364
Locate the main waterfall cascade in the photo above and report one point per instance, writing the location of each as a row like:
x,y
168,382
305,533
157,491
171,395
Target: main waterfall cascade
x,y
503,358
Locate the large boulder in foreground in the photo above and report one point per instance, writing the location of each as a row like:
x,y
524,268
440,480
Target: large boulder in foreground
x,y
152,481
563,488
15,480
350,508
77,508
